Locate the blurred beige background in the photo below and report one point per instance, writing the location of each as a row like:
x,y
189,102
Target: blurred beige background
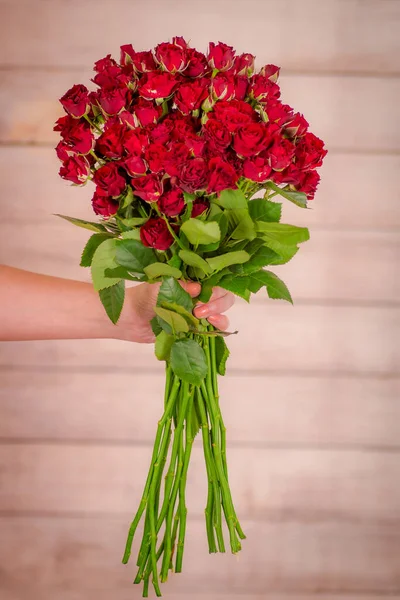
x,y
312,396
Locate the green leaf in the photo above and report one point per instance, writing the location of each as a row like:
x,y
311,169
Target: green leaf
x,y
222,354
283,233
122,273
190,318
261,258
226,260
232,199
133,234
222,221
189,197
297,198
175,261
175,321
171,291
103,259
132,255
265,210
188,361
284,253
208,285
112,299
276,288
241,225
93,243
155,326
85,224
162,347
159,269
199,232
127,198
134,221
237,285
194,260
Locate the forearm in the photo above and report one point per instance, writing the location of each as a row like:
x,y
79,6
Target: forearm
x,y
40,307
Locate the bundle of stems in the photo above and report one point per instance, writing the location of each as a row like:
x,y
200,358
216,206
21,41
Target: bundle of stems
x,y
188,408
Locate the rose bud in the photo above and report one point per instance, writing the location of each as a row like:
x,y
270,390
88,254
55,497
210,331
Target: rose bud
x,y
241,87
290,175
149,187
308,184
146,112
181,42
223,86
190,95
134,165
280,154
144,62
277,112
217,134
127,118
222,175
76,101
310,152
75,169
172,203
198,65
112,101
262,88
127,54
105,64
135,141
155,234
76,133
193,175
244,64
196,145
103,205
157,85
270,71
171,57
155,157
251,139
64,151
257,168
235,114
297,126
110,143
199,206
220,56
109,180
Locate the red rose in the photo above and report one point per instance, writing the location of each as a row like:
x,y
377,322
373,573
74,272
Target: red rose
x,y
244,64
310,152
155,234
109,180
75,169
126,118
135,141
103,205
161,132
199,206
257,168
148,188
198,65
234,114
127,54
270,71
146,112
182,126
113,77
277,112
281,153
251,139
113,100
297,126
190,95
104,64
308,183
223,86
196,145
220,56
76,101
290,175
261,88
176,156
217,134
241,86
157,85
64,151
193,175
171,56
144,62
134,165
172,203
155,157
76,133
222,175
180,41
110,143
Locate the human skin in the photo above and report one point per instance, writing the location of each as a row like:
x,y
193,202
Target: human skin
x,y
41,307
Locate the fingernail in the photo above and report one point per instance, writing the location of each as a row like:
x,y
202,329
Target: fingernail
x,y
202,312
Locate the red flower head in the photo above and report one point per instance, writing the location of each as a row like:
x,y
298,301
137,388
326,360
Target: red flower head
x,y
155,156
110,143
155,234
198,65
277,112
223,86
281,153
135,141
270,71
147,112
310,152
157,85
234,114
193,175
105,64
308,184
113,100
261,88
220,56
297,126
143,62
76,101
176,156
252,139
149,187
64,151
171,56
222,175
172,203
257,168
190,95
103,205
76,133
241,87
244,64
134,165
199,206
162,131
109,180
290,175
217,135
181,42
75,169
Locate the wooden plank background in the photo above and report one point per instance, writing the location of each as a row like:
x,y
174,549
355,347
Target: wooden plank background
x,y
315,447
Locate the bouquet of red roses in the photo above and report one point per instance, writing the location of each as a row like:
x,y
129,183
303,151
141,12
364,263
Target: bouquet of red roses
x,y
179,145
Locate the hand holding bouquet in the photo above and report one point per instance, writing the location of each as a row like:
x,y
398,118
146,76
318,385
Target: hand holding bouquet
x,y
179,146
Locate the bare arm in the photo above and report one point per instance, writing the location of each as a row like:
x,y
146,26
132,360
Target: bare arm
x,y
41,307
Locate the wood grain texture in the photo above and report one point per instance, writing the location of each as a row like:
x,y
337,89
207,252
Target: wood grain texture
x,y
29,116
124,408
266,483
356,192
83,556
335,35
272,336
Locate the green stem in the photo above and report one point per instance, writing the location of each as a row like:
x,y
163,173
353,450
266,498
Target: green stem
x,y
92,124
